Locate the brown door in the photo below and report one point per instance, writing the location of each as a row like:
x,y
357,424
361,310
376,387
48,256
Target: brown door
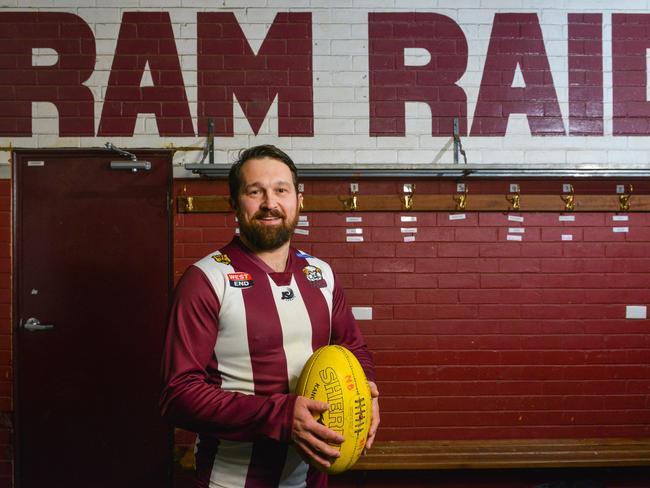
x,y
92,266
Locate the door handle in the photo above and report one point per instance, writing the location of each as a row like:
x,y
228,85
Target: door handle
x,y
34,325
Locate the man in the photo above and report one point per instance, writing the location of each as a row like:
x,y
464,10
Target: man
x,y
244,321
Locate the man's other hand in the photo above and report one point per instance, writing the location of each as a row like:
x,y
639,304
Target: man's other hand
x,y
374,421
311,438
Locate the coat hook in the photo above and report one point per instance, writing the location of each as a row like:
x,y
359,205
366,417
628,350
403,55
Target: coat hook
x,y
352,202
461,196
568,199
185,202
624,200
407,196
514,198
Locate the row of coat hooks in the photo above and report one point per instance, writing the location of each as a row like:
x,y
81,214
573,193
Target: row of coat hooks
x,y
623,200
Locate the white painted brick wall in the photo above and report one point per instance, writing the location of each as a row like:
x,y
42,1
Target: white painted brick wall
x,y
341,84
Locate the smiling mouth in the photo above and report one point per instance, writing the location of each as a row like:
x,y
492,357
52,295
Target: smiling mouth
x,y
269,220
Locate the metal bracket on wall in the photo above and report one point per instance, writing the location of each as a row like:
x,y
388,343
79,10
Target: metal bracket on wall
x,y
458,146
356,172
208,149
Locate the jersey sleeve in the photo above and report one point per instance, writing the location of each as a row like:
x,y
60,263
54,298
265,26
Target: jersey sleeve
x,y
345,331
191,397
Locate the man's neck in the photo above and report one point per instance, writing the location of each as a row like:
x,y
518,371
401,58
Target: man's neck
x,y
276,259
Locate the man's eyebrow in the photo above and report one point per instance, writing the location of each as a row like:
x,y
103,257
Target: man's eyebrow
x,y
275,183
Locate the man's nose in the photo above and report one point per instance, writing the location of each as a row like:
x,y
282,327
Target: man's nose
x,y
269,200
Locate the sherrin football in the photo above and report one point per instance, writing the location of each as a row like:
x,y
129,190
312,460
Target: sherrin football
x,y
333,375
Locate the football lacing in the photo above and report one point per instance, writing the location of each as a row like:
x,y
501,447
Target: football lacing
x,y
360,414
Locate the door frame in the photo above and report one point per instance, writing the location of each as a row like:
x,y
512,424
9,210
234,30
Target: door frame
x,y
16,255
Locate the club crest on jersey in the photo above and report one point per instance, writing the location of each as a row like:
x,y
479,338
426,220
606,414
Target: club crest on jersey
x,y
240,280
288,294
222,258
314,276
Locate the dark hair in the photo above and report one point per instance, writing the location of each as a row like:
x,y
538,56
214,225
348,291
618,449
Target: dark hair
x,y
257,152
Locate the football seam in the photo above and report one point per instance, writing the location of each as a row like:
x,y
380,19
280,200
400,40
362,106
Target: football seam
x,y
356,382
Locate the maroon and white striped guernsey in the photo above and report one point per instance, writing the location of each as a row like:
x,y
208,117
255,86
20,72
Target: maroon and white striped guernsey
x,y
238,336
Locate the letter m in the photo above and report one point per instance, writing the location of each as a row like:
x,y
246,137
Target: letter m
x,y
282,68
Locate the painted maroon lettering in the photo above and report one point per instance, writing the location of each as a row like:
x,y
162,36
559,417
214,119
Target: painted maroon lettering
x,y
585,74
516,40
282,68
21,83
630,40
146,38
392,83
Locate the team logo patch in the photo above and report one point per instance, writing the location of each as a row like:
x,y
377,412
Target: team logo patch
x,y
303,254
240,280
314,276
288,294
222,258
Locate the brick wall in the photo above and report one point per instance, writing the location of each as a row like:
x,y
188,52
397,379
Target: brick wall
x,y
499,338
6,404
357,82
476,336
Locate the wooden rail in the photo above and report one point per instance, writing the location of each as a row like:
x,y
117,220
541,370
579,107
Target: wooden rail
x,y
489,454
444,203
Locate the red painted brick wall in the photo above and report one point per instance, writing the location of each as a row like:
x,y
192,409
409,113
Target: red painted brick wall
x,y
478,337
6,405
474,336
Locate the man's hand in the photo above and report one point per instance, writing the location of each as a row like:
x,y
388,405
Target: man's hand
x,y
311,438
374,421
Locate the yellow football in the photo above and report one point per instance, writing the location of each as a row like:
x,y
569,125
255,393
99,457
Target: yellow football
x,y
333,375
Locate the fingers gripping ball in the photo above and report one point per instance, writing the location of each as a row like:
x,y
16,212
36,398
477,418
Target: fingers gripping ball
x,y
333,375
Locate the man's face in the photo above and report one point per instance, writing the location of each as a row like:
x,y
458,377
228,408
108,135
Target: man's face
x,y
268,205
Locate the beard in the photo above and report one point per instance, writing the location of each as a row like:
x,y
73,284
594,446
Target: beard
x,y
266,237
